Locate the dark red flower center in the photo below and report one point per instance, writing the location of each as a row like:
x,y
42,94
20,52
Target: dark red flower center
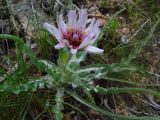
x,y
74,38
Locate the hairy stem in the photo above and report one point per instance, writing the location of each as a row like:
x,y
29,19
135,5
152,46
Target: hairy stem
x,y
59,104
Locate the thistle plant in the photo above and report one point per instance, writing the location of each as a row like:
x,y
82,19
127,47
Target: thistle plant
x,y
75,40
74,36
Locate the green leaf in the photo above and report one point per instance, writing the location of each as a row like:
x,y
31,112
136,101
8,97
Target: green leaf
x,y
49,66
64,56
31,86
114,90
109,114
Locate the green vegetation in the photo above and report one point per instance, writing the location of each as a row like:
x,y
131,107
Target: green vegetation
x,y
43,83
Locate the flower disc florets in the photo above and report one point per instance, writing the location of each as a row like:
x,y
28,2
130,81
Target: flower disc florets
x,y
74,38
75,34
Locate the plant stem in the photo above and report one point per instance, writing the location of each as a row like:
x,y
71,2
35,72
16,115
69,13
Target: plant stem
x,y
59,104
70,5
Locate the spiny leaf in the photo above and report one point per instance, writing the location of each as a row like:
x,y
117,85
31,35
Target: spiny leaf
x,y
114,90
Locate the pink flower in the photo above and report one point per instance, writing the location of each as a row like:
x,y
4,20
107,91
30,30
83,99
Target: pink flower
x,y
76,35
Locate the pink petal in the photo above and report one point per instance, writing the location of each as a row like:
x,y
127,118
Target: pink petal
x,y
92,49
88,29
73,51
81,24
96,25
59,46
54,31
86,41
67,43
91,36
97,32
72,18
61,24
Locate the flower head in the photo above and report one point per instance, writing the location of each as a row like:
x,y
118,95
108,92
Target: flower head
x,y
75,34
